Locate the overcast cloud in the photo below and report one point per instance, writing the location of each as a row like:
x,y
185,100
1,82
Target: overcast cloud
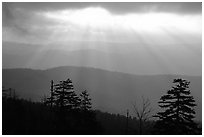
x,y
175,27
28,20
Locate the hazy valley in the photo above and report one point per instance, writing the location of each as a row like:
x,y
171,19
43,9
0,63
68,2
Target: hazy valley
x,y
110,91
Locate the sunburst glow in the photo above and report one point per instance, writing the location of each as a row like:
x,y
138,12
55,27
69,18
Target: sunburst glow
x,y
157,36
99,18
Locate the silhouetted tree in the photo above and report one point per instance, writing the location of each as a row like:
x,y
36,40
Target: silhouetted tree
x,y
64,117
178,114
85,101
88,118
4,92
9,93
65,102
63,95
143,114
50,100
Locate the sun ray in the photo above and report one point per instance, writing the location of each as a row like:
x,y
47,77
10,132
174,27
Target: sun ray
x,y
94,27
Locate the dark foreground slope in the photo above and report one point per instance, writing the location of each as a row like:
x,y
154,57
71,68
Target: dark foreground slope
x,y
110,91
23,117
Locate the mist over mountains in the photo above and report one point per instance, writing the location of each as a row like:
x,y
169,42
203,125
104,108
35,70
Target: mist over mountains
x,y
110,91
115,74
126,57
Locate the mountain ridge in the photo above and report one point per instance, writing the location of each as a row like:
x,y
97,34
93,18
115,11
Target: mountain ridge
x,y
110,91
86,67
135,60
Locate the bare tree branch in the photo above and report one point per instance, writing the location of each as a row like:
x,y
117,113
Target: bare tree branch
x,y
144,113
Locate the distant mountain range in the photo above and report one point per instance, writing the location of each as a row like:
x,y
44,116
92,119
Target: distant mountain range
x,y
126,58
110,91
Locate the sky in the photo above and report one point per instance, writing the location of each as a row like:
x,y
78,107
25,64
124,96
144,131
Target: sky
x,y
159,28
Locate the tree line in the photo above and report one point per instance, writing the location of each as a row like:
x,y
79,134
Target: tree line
x,y
69,113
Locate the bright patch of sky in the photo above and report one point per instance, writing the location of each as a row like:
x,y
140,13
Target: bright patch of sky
x,y
99,24
166,31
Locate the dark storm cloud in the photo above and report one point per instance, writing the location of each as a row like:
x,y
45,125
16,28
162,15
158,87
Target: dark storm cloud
x,y
13,19
20,21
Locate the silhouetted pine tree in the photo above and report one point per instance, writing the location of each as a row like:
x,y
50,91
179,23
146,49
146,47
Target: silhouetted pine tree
x,y
65,96
65,103
179,113
88,122
74,114
85,101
